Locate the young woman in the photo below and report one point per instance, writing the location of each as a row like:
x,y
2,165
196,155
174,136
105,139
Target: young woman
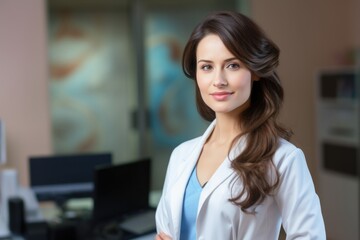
x,y
241,179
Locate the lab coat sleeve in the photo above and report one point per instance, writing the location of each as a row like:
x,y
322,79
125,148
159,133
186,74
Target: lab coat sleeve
x,y
163,218
297,200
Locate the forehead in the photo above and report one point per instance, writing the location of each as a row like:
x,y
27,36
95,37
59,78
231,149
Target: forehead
x,y
211,46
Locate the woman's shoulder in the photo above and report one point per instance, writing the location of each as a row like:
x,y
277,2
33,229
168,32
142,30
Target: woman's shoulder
x,y
186,146
286,153
286,146
182,151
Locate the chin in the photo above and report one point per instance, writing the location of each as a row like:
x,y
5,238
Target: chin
x,y
222,110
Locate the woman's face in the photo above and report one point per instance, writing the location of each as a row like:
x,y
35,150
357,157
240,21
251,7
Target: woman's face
x,y
224,82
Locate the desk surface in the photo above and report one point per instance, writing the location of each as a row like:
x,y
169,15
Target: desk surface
x,y
154,199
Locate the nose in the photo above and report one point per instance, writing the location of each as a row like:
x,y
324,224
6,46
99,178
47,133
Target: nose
x,y
220,80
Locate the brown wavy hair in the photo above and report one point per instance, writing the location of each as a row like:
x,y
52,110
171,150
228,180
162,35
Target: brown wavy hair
x,y
244,38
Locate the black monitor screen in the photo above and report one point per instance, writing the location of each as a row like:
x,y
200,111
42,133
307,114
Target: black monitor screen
x,y
121,189
58,178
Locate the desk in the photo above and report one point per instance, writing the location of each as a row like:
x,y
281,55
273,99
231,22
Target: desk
x,y
68,230
49,211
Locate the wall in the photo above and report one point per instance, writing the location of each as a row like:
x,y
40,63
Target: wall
x,y
315,35
311,35
354,21
23,82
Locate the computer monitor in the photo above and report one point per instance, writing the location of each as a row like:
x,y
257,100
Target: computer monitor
x,y
62,177
121,189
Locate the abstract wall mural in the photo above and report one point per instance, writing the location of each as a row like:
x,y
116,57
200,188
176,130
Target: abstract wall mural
x,y
173,114
91,82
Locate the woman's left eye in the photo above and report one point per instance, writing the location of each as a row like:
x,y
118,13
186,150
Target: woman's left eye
x,y
233,66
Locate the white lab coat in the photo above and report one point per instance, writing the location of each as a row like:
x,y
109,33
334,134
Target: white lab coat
x,y
295,204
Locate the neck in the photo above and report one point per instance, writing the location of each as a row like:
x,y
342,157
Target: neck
x,y
226,129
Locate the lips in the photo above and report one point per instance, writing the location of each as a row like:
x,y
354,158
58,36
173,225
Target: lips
x,y
221,96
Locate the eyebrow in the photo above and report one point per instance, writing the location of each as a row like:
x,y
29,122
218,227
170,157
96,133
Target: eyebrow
x,y
226,60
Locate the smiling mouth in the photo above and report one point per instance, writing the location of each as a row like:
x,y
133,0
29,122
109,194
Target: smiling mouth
x,y
221,93
221,96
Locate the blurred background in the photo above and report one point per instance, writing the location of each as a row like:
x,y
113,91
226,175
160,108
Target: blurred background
x,y
105,76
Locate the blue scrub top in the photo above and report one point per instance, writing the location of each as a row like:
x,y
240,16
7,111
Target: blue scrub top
x,y
190,207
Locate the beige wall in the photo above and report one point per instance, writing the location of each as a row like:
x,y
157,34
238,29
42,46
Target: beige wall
x,y
354,21
314,35
311,35
23,82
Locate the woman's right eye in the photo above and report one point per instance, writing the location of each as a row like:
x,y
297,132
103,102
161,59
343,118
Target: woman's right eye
x,y
206,67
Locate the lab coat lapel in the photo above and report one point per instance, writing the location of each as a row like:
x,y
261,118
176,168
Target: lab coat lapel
x,y
222,173
185,168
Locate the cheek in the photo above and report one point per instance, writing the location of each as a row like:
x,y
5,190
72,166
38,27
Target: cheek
x,y
245,81
202,83
243,84
204,90
247,86
247,89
